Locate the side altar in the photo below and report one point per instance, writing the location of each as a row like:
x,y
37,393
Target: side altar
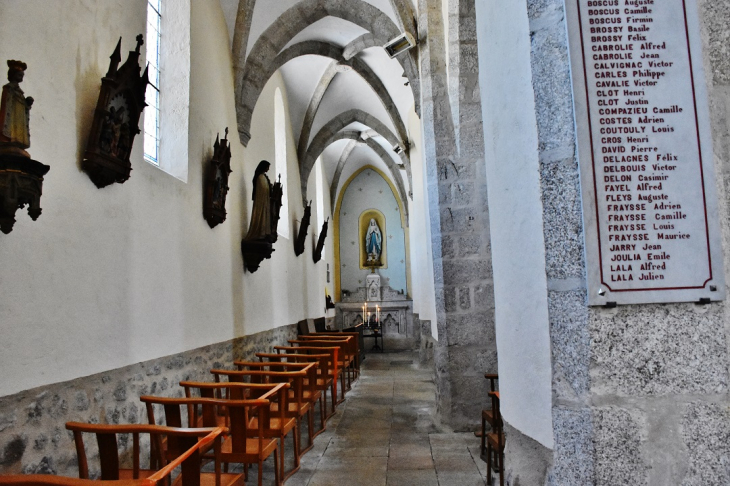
x,y
393,311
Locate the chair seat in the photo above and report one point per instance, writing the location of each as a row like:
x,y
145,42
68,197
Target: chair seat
x,y
277,427
496,441
252,448
208,479
128,473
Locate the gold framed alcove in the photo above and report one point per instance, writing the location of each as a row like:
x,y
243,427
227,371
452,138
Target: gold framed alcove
x,y
336,230
362,225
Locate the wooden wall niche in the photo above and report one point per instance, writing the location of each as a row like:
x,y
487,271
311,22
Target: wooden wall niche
x,y
116,119
216,182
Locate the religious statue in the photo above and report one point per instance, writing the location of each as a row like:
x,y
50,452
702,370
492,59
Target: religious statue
x,y
262,231
15,112
373,243
260,225
21,178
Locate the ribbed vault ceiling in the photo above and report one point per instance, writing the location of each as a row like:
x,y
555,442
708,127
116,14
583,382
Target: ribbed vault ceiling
x,y
349,102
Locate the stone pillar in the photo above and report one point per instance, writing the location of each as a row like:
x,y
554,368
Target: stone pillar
x,y
640,392
459,217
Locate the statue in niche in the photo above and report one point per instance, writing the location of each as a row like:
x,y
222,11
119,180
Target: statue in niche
x,y
373,243
15,112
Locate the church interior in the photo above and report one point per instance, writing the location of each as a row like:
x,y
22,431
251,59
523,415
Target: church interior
x,y
401,187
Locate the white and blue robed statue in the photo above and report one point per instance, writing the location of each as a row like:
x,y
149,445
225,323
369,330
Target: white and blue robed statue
x,y
373,243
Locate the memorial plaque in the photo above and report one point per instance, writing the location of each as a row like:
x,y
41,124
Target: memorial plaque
x,y
644,147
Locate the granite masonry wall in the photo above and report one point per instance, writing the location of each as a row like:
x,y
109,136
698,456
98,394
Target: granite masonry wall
x,y
455,174
640,392
33,437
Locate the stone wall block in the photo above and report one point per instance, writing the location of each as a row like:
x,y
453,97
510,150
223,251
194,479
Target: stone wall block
x,y
551,81
570,340
659,350
476,328
448,247
718,17
466,271
465,409
563,223
535,8
474,361
618,447
463,193
461,220
464,298
470,245
574,449
450,299
706,432
484,296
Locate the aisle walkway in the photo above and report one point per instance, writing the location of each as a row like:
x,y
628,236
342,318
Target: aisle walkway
x,y
384,434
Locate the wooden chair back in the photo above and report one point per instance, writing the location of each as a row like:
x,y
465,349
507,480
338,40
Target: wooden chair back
x,y
186,451
238,414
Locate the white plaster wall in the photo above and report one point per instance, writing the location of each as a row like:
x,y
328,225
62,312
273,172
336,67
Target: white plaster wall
x,y
286,288
424,302
515,211
108,277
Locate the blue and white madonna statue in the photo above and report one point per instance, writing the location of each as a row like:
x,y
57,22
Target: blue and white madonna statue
x,y
373,243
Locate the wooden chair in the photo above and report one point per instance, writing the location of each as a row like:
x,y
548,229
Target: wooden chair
x,y
338,367
348,352
298,405
310,392
495,442
184,449
323,378
276,423
331,369
240,446
488,413
354,350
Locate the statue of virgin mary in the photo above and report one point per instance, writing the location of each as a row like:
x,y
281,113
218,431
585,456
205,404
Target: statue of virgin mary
x,y
373,243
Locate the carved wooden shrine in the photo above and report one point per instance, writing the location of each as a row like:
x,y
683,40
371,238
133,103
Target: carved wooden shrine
x,y
300,242
317,254
116,119
216,182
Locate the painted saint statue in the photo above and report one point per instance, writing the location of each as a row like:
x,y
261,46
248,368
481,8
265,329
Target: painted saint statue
x,y
373,243
15,111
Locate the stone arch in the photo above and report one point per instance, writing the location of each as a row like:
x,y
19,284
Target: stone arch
x,y
328,132
379,150
293,21
334,52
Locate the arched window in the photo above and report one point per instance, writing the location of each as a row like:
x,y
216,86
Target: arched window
x,y
152,97
280,164
320,200
167,116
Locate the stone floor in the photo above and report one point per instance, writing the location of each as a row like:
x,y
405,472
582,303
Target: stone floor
x,y
384,434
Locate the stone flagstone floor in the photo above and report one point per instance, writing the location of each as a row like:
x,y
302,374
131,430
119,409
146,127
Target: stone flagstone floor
x,y
384,434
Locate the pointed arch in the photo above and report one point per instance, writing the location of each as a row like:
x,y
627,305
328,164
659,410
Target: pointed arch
x,y
328,133
288,25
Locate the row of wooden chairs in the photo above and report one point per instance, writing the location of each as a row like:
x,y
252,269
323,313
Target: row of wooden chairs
x,y
248,412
